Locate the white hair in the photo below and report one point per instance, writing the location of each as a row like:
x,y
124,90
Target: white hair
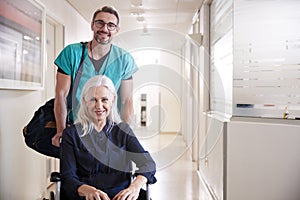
x,y
83,116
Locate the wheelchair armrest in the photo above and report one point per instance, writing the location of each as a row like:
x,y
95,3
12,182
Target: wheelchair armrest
x,y
55,177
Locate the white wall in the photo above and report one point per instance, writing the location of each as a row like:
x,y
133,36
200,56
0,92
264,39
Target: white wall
x,y
263,159
259,155
212,156
76,28
22,170
159,77
251,158
170,78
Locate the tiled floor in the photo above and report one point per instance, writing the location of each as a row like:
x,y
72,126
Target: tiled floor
x,y
176,173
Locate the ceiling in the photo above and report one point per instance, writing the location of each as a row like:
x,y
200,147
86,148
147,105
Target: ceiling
x,y
176,15
147,22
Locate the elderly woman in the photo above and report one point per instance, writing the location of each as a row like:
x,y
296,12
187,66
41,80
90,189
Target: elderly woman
x,y
98,151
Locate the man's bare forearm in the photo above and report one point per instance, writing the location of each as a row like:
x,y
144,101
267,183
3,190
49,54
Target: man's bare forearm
x,y
60,111
63,83
127,110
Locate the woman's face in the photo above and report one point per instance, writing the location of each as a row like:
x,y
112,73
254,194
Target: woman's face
x,y
99,101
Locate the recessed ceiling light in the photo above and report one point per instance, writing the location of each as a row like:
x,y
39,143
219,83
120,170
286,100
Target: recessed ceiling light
x,y
136,3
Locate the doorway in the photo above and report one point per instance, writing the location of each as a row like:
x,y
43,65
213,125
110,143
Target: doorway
x,y
54,44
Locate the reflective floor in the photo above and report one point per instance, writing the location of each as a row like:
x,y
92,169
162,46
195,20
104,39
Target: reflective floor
x,y
176,174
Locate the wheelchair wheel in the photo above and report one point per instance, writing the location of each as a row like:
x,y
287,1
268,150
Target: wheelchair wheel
x,y
52,196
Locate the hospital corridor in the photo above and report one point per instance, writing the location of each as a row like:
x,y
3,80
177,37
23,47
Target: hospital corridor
x,y
201,95
179,178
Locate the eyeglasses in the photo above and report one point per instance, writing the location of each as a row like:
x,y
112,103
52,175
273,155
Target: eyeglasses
x,y
110,26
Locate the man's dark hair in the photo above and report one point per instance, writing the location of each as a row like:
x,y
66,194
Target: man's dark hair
x,y
107,9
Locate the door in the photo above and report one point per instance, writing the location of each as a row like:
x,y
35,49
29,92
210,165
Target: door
x,y
54,44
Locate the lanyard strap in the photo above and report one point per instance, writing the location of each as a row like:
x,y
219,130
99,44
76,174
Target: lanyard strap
x,y
78,75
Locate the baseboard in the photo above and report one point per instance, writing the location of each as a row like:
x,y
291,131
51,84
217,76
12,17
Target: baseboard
x,y
210,192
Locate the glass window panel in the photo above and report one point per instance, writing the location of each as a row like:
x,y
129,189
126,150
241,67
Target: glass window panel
x,y
266,58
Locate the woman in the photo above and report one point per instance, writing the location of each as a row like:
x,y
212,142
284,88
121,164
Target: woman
x,y
98,151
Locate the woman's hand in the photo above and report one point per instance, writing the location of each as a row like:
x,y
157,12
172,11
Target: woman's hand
x,y
130,193
133,191
92,193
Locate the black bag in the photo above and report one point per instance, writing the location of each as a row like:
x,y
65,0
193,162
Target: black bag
x,y
38,133
41,129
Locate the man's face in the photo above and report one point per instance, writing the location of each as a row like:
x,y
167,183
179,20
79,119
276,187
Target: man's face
x,y
104,27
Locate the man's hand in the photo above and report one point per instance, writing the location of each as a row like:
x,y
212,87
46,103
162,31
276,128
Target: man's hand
x,y
56,139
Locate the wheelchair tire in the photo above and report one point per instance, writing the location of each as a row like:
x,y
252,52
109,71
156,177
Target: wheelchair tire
x,y
52,195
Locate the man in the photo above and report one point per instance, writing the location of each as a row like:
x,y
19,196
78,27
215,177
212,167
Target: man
x,y
100,57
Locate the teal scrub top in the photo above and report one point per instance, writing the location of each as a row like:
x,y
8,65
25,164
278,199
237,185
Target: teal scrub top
x,y
118,65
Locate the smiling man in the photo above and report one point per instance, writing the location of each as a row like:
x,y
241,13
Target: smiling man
x,y
101,57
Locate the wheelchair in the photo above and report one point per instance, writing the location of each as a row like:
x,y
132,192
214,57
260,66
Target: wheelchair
x,y
56,178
